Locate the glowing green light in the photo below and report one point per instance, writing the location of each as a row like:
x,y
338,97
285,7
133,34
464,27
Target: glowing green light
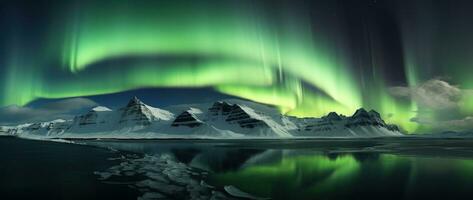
x,y
113,47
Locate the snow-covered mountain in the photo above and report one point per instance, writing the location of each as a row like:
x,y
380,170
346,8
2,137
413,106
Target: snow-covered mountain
x,y
222,119
361,124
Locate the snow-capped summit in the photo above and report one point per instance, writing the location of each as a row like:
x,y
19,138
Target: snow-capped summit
x,y
138,113
242,118
228,118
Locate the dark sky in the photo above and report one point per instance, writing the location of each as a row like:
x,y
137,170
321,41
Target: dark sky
x,y
408,59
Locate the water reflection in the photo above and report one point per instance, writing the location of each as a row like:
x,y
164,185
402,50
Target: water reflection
x,y
326,173
365,176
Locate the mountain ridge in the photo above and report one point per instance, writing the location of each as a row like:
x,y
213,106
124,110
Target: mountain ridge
x,y
221,119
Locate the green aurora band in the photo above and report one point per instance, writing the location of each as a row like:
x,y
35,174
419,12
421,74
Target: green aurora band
x,y
238,49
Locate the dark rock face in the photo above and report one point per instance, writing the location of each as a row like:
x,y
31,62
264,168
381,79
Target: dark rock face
x,y
361,117
58,127
333,116
372,118
220,108
327,123
393,127
234,114
235,117
186,119
136,112
238,115
320,126
49,127
88,118
33,127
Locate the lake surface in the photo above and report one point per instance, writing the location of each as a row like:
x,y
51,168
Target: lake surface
x,y
405,168
32,169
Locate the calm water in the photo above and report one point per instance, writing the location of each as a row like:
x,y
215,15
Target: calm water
x,y
277,169
48,170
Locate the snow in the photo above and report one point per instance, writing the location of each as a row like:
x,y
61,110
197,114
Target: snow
x,y
194,111
101,109
57,121
160,113
128,122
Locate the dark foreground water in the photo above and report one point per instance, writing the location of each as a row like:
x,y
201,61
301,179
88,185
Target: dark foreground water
x,y
48,170
234,169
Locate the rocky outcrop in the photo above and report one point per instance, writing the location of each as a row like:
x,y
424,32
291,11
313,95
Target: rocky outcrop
x,y
51,128
136,113
220,108
333,116
89,118
98,116
364,118
336,123
186,119
56,127
243,119
235,114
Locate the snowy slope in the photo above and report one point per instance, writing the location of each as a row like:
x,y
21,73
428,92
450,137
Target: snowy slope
x,y
136,116
222,119
4,130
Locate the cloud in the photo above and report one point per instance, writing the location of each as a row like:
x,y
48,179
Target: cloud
x,y
454,125
63,109
434,94
439,104
70,104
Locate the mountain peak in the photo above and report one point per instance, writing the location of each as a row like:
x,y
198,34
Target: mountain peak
x,y
228,117
222,103
134,101
361,112
374,113
333,116
222,107
138,113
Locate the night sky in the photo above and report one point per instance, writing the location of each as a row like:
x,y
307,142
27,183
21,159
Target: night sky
x,y
409,60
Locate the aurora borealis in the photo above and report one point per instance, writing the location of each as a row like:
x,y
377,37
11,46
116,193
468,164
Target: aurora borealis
x,y
307,58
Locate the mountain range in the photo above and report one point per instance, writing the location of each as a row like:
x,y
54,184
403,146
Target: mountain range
x,y
223,119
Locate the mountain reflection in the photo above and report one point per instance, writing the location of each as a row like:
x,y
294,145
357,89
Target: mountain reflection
x,y
333,172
